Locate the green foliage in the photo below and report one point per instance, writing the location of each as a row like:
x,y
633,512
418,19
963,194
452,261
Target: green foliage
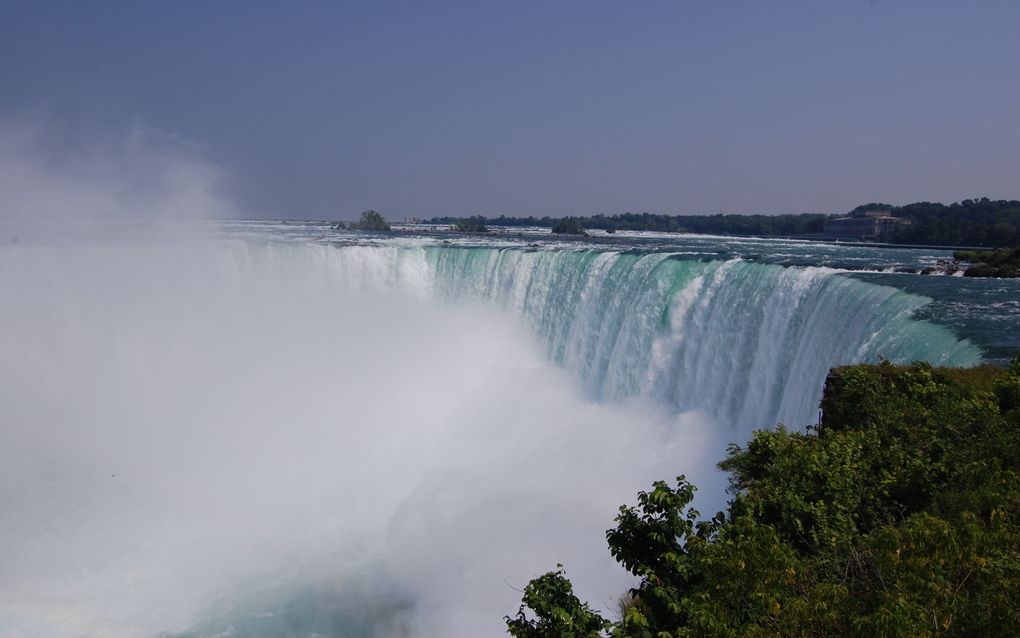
x,y
720,224
568,226
899,515
808,493
972,222
651,541
371,220
1004,262
556,610
474,224
873,206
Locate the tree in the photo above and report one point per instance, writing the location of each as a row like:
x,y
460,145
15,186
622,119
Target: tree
x,y
898,515
556,610
568,226
1004,262
475,224
972,222
371,220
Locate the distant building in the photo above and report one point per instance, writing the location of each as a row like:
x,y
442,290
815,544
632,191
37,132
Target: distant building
x,y
864,225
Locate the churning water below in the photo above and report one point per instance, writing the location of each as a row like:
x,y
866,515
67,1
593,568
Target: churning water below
x,y
282,429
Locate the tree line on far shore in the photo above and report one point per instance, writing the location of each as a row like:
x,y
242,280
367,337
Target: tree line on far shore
x,y
971,222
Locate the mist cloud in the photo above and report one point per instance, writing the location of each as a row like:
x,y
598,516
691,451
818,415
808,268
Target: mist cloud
x,y
191,426
196,432
50,173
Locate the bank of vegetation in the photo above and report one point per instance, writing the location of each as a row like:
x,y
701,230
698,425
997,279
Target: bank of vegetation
x,y
898,515
717,224
971,222
568,226
474,224
1004,262
369,220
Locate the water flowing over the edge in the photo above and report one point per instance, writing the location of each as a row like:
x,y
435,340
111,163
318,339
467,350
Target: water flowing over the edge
x,y
749,343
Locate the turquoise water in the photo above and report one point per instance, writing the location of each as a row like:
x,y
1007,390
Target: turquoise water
x,y
744,329
986,312
290,430
748,342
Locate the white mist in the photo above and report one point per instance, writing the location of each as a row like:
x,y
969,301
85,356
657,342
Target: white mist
x,y
187,424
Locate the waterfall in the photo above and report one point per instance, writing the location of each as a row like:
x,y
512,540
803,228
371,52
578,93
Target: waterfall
x,y
747,342
253,430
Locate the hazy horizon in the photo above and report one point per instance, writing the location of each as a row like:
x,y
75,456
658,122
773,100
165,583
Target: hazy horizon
x,y
355,215
538,109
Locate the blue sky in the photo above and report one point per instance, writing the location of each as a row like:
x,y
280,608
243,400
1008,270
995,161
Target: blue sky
x,y
323,109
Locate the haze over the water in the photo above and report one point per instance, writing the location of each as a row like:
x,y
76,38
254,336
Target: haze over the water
x,y
201,429
204,432
195,428
540,108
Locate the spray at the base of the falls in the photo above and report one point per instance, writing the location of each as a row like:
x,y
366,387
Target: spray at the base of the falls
x,y
214,435
198,434
747,342
233,432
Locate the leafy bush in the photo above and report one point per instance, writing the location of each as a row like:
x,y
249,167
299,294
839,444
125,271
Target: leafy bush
x,y
474,224
1004,262
557,611
568,226
899,515
371,220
